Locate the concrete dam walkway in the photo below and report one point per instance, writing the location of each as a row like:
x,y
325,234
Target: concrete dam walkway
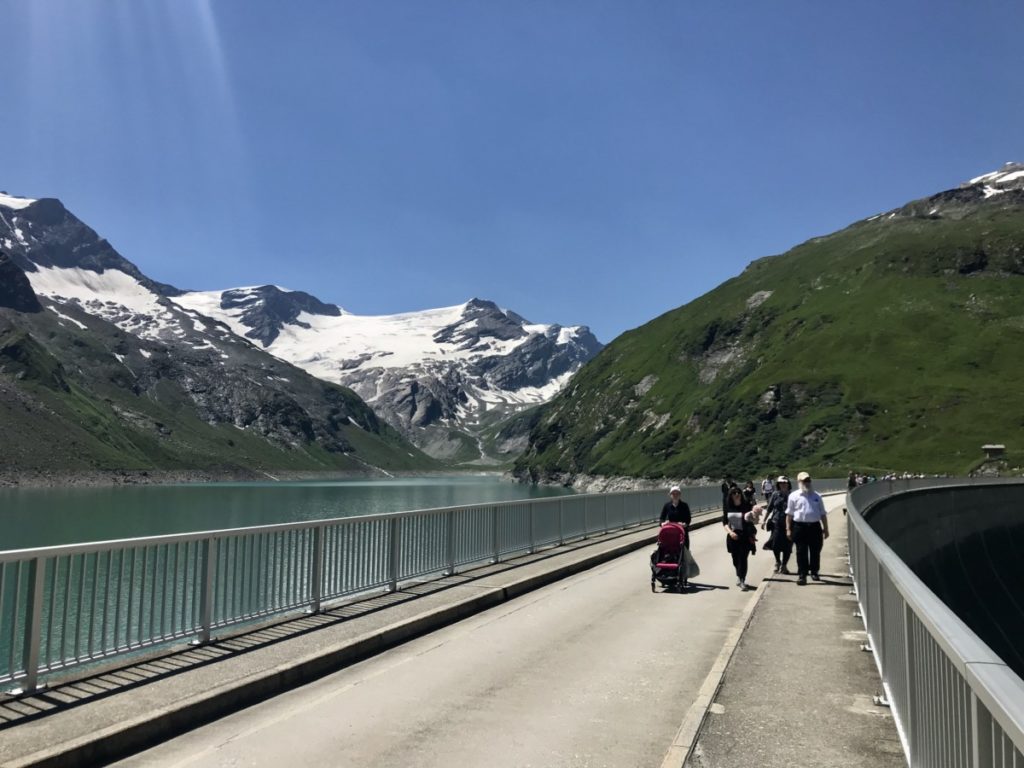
x,y
591,670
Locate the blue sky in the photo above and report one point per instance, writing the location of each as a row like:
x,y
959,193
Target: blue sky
x,y
580,162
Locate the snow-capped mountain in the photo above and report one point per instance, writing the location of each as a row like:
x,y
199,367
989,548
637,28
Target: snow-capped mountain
x,y
1007,178
171,379
440,376
456,368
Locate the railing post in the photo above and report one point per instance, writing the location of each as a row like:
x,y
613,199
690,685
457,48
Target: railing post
x,y
317,572
396,554
451,542
913,703
533,538
34,622
494,520
981,735
561,522
208,575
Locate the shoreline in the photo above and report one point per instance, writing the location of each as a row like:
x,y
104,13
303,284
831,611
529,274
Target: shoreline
x,y
112,478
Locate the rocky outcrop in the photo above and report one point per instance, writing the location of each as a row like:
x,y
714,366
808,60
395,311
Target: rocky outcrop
x,y
15,290
267,309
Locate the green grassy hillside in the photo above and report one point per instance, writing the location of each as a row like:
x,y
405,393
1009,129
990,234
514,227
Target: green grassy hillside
x,y
894,344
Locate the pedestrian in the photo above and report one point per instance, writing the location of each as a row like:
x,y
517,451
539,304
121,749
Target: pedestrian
x,y
767,488
806,527
851,481
775,524
727,485
750,493
737,539
677,511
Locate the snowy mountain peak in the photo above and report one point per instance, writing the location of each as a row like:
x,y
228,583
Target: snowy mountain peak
x,y
480,322
1010,176
438,368
15,203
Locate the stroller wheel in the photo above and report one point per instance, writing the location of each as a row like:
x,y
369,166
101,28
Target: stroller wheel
x,y
652,585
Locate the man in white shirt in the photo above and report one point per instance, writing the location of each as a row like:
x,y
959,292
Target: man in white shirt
x,y
767,488
807,527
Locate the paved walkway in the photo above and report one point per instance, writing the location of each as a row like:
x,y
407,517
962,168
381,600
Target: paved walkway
x,y
798,689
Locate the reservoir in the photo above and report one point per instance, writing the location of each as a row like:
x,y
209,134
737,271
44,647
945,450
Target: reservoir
x,y
39,517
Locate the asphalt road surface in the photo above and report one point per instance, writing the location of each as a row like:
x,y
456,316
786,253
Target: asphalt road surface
x,y
592,671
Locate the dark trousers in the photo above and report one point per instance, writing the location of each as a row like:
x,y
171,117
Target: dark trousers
x,y
808,540
782,547
740,551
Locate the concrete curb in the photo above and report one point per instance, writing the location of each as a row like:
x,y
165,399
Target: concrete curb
x,y
130,736
686,737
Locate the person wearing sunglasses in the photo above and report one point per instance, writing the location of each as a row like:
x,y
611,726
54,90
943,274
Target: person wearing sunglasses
x,y
737,537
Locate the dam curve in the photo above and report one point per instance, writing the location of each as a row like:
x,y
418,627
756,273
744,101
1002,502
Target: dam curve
x,y
966,544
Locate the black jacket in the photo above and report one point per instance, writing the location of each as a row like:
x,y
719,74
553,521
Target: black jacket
x,y
676,514
776,512
741,509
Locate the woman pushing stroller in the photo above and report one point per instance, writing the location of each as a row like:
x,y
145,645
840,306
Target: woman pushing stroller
x,y
669,559
677,511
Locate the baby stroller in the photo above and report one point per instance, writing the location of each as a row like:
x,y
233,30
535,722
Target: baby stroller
x,y
668,566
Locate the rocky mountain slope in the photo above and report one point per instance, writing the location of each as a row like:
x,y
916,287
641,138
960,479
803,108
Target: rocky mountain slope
x,y
893,344
100,370
440,376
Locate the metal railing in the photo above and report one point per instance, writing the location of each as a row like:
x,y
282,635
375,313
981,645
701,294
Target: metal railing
x,y
66,606
955,702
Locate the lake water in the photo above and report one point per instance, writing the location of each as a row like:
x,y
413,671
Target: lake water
x,y
36,517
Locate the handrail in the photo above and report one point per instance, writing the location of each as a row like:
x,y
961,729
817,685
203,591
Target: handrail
x,y
93,546
69,605
955,702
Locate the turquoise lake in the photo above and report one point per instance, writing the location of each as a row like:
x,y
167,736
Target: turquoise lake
x,y
36,517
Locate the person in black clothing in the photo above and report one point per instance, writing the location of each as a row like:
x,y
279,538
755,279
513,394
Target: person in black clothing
x,y
727,486
749,493
737,540
775,523
677,511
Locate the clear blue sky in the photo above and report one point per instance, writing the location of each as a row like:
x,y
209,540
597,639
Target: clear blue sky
x,y
576,161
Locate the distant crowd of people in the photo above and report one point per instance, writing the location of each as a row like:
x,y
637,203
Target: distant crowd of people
x,y
858,478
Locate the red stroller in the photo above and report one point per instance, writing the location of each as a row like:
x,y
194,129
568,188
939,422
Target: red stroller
x,y
668,564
